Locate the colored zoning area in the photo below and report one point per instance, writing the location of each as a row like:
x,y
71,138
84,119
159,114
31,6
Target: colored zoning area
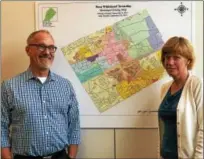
x,y
118,61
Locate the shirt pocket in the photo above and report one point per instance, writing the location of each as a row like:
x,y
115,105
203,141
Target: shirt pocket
x,y
58,101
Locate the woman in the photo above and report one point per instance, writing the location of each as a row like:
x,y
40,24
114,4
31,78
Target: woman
x,y
181,110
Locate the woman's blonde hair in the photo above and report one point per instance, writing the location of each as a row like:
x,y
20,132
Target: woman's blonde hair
x,y
179,46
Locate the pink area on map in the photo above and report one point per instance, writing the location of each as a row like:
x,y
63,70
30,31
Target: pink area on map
x,y
112,48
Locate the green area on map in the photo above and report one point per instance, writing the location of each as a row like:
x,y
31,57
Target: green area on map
x,y
50,13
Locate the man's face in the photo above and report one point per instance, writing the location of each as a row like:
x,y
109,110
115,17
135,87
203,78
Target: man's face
x,y
41,51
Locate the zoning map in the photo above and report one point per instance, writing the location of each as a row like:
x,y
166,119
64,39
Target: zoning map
x,y
117,61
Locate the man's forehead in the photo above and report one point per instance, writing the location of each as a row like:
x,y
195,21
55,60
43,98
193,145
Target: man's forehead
x,y
42,36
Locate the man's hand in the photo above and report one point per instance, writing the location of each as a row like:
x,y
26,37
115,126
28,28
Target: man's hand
x,y
6,153
72,151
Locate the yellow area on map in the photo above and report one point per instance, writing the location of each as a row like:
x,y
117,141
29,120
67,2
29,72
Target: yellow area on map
x,y
83,53
108,29
102,92
158,55
85,47
95,41
151,61
146,78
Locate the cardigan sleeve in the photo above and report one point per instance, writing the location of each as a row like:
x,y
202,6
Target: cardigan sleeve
x,y
198,97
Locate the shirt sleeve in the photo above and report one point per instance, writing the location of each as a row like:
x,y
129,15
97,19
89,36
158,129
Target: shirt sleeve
x,y
73,119
198,96
5,117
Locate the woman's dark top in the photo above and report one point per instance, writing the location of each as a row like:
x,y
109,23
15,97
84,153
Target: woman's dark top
x,y
167,113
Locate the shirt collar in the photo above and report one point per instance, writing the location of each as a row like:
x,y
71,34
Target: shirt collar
x,y
29,75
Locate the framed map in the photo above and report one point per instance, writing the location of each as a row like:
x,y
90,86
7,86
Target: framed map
x,y
110,51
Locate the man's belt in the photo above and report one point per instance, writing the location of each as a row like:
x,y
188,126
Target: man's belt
x,y
49,156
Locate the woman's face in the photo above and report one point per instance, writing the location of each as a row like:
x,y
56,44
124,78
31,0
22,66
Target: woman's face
x,y
175,65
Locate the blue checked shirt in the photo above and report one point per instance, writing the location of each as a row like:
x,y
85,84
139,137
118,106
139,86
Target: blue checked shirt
x,y
44,118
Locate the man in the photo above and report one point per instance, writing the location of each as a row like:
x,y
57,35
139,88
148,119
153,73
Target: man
x,y
39,110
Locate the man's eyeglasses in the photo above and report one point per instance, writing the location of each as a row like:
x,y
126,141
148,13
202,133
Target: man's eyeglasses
x,y
42,47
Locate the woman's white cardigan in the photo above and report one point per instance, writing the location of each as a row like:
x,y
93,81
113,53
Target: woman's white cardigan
x,y
189,119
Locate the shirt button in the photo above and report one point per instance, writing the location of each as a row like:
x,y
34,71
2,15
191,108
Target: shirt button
x,y
178,123
179,135
47,133
44,101
45,116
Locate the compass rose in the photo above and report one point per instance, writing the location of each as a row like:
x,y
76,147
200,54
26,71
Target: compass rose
x,y
181,9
